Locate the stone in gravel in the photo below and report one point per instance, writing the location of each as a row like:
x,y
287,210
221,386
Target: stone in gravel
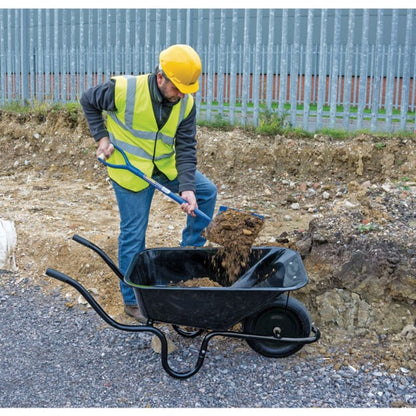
x,y
157,346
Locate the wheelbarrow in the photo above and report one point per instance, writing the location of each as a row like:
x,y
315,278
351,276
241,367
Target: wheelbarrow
x,y
274,324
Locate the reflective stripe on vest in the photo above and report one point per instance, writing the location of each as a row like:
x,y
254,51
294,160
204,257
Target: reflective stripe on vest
x,y
133,127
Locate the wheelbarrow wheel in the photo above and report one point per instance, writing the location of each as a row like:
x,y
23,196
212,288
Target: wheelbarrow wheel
x,y
285,317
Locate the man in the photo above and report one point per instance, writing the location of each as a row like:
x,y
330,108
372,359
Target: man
x,y
152,118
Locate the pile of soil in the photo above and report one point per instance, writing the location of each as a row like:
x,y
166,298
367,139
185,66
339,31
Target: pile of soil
x,y
198,282
235,231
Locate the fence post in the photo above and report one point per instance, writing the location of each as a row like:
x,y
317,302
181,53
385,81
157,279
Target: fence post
x,y
406,72
9,59
322,70
56,68
283,65
391,63
246,69
377,72
233,65
40,92
210,77
257,69
221,59
24,47
32,70
348,69
294,69
334,70
198,97
308,71
3,84
363,71
72,57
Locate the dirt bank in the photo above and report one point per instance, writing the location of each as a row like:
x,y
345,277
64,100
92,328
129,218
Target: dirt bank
x,y
347,206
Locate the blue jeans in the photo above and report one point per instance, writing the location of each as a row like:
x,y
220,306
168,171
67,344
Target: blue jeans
x,y
134,210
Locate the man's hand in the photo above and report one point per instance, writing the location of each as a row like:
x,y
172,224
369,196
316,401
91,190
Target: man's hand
x,y
191,205
105,149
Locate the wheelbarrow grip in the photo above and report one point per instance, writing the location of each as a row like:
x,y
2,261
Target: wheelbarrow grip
x,y
59,276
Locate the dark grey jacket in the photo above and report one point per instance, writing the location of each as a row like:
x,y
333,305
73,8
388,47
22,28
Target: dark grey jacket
x,y
101,98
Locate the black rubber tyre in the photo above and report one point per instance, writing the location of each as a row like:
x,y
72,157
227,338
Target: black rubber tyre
x,y
287,316
188,332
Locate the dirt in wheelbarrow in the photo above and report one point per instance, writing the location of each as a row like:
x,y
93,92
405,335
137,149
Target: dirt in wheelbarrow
x,y
346,205
198,282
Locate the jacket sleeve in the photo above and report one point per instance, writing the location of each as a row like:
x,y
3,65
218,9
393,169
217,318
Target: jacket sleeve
x,y
94,101
185,147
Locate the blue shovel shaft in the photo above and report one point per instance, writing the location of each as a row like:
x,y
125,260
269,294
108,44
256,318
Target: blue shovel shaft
x,y
128,166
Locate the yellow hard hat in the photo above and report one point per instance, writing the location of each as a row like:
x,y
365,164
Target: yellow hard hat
x,y
182,65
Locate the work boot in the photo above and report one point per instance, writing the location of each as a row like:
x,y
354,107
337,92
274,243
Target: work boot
x,y
135,312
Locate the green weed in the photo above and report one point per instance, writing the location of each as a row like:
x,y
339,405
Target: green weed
x,y
366,228
218,123
272,123
380,145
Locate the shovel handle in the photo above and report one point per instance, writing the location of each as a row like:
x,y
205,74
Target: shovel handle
x,y
128,166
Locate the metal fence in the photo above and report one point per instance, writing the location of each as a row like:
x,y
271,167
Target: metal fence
x,y
305,66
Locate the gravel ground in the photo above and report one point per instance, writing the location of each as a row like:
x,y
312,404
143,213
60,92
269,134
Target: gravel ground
x,y
55,356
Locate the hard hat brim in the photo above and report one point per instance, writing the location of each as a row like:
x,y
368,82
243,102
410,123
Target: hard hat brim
x,y
186,89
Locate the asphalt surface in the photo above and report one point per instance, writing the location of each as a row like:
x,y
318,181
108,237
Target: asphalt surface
x,y
53,356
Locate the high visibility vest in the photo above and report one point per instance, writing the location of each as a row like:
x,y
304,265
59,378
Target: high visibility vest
x,y
133,127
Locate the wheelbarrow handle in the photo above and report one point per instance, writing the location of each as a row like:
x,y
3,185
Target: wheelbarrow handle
x,y
128,166
134,328
101,253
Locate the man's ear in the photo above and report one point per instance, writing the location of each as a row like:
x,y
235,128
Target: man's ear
x,y
159,79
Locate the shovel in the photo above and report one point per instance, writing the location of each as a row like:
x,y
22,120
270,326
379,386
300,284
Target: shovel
x,y
128,166
224,230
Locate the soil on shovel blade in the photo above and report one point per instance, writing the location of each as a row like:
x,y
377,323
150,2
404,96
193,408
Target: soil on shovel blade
x,y
235,231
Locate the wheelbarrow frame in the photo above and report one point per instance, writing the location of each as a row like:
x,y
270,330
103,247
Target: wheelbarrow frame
x,y
149,326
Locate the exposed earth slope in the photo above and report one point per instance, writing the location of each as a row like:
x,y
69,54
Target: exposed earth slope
x,y
348,207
